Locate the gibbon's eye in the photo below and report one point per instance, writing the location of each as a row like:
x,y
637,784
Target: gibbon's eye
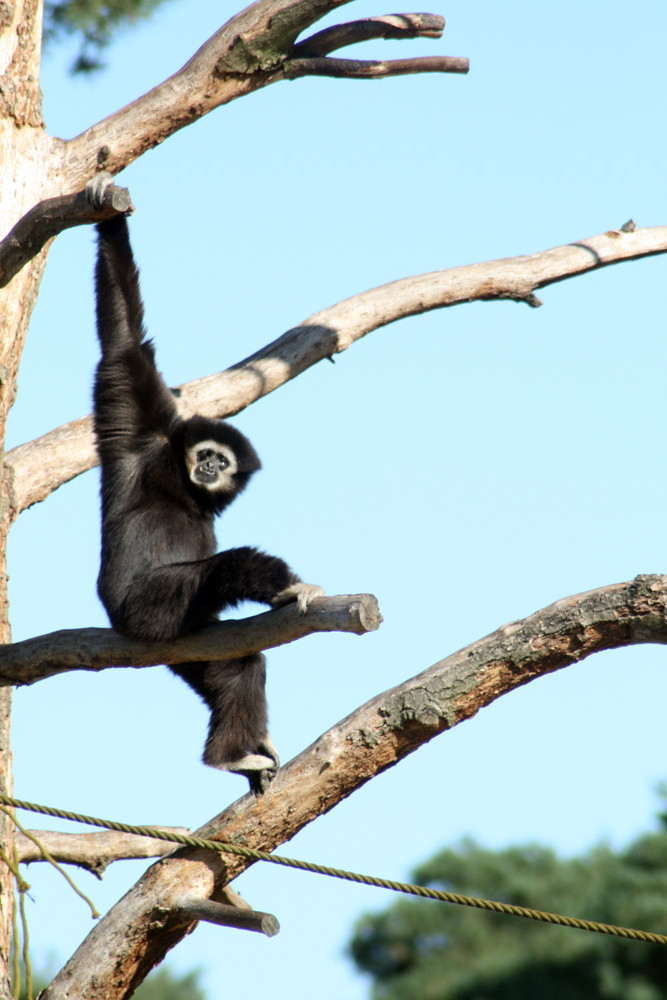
x,y
204,454
223,461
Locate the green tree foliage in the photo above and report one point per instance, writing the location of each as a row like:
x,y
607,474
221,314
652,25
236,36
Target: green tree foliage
x,y
425,950
94,23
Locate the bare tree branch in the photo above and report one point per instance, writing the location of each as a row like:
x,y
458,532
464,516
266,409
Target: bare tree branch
x,y
360,69
144,925
225,915
255,48
98,648
395,26
50,217
35,469
93,851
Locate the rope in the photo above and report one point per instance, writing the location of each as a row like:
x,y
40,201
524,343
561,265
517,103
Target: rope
x,y
307,866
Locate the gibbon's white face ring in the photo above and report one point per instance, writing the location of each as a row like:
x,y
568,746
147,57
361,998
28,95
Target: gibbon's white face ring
x,y
212,466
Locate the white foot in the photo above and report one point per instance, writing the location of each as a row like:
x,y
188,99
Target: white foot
x,y
302,593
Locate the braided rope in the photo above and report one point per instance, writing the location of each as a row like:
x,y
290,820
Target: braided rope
x,y
307,866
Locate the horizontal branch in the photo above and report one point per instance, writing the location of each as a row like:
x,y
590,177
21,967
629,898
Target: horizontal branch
x,y
368,741
226,915
35,659
50,217
395,26
93,851
359,69
37,468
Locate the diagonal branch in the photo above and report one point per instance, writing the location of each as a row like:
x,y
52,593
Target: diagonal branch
x,y
98,648
256,47
145,924
37,468
253,49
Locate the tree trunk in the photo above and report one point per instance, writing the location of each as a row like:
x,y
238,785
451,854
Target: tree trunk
x,y
21,139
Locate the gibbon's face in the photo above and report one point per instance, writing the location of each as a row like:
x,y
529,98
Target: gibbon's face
x,y
212,466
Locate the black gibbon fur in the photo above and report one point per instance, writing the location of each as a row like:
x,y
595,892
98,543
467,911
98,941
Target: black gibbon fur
x,y
163,481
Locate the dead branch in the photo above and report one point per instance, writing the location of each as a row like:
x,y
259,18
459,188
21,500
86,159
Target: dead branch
x,y
144,925
37,468
95,649
253,49
363,69
50,217
93,851
226,916
394,26
96,851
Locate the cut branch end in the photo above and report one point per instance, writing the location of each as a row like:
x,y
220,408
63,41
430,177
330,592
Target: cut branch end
x,y
50,217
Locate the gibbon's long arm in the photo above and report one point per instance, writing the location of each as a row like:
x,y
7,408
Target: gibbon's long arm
x,y
132,402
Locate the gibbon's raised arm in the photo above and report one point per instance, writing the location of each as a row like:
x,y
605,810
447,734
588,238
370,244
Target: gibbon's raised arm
x,y
133,403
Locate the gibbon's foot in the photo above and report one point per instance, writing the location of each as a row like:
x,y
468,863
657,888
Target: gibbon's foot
x,y
96,188
259,768
302,593
260,780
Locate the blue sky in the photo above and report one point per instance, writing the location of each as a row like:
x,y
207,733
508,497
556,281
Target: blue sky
x,y
468,467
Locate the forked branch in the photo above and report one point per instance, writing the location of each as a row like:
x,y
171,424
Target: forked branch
x,y
256,47
146,923
309,56
37,468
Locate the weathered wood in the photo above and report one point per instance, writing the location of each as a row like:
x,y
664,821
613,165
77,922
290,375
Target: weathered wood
x,y
93,851
226,915
40,466
373,69
395,26
143,926
21,148
99,648
253,49
50,217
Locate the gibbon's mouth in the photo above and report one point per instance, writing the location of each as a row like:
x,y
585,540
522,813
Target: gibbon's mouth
x,y
206,477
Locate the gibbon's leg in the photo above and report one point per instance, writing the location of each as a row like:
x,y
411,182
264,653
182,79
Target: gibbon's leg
x,y
171,600
238,738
